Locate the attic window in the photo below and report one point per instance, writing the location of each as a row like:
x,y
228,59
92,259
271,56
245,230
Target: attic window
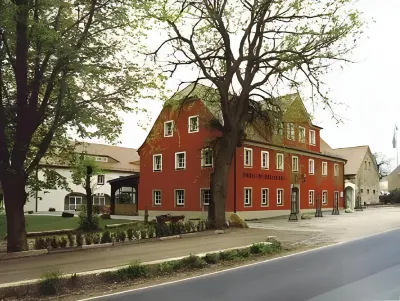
x,y
193,124
101,159
168,128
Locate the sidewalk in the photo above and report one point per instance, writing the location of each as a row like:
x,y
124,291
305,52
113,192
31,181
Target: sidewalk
x,y
75,262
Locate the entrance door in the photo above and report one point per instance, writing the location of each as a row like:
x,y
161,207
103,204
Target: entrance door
x,y
295,199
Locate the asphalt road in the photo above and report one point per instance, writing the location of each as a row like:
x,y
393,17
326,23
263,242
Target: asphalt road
x,y
365,269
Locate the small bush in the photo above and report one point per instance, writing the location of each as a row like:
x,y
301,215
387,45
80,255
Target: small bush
x,y
30,211
105,216
165,268
96,239
50,283
52,209
133,271
193,262
54,242
88,238
79,239
86,223
143,233
243,253
129,233
63,242
47,242
40,243
162,229
228,255
121,235
106,237
211,258
188,226
71,240
262,249
67,214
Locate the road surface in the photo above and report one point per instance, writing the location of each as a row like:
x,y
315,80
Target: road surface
x,y
365,269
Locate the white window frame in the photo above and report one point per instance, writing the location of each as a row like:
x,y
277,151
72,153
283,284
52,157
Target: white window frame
x,y
154,162
302,130
156,202
177,161
311,171
279,202
102,181
203,159
311,197
180,204
312,137
263,203
190,124
246,204
250,150
102,200
172,128
325,200
295,167
290,133
202,203
75,197
336,170
276,161
266,165
324,170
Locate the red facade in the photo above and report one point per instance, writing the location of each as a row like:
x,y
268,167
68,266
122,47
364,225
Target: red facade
x,y
257,187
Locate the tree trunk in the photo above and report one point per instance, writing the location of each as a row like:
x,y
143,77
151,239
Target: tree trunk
x,y
88,188
15,198
219,178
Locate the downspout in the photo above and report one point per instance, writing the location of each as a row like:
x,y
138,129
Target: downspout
x,y
234,182
36,193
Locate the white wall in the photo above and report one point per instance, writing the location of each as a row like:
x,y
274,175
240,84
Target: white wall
x,y
55,198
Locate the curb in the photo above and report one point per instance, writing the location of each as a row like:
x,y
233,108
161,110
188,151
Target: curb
x,y
169,237
23,254
98,246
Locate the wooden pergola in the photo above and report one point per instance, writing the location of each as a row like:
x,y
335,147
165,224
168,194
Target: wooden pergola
x,y
126,188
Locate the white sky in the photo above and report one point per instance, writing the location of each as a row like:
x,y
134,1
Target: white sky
x,y
369,89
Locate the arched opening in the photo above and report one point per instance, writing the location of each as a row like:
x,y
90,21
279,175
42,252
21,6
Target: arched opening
x,y
349,197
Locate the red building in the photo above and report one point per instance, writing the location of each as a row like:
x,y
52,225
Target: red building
x,y
176,162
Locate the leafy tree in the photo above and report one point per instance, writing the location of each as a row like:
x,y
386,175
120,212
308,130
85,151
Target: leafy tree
x,y
248,50
383,163
65,71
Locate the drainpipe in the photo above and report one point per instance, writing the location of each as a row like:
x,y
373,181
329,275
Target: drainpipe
x,y
234,182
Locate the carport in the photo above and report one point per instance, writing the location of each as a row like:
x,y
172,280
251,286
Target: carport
x,y
124,191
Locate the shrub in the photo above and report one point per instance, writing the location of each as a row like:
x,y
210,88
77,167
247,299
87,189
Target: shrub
x,y
40,243
243,253
50,283
121,235
52,209
88,238
86,223
276,244
188,226
63,242
30,211
143,233
71,240
105,216
67,214
106,237
54,242
211,258
228,255
79,239
47,242
134,270
129,233
165,268
96,239
162,229
193,262
262,249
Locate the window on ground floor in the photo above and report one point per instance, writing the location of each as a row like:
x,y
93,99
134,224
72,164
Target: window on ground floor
x,y
279,196
74,202
247,197
180,197
99,200
311,197
157,197
205,196
264,197
324,197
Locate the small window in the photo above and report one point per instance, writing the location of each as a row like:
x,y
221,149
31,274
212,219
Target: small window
x,y
157,197
279,196
324,168
264,159
302,134
365,165
101,159
157,162
169,128
193,124
312,137
362,190
311,166
180,197
295,164
336,170
311,196
180,160
205,196
100,179
247,197
324,197
279,162
207,157
374,191
248,157
264,196
367,191
99,200
290,131
75,202
369,165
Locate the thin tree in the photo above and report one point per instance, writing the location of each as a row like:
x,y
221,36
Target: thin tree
x,y
383,164
66,71
247,50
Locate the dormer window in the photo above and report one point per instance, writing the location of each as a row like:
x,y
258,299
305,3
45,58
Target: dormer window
x,y
312,137
101,159
169,128
193,124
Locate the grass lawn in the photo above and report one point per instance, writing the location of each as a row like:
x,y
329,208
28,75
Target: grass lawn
x,y
35,223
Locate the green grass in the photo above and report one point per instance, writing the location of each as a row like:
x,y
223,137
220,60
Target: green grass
x,y
35,223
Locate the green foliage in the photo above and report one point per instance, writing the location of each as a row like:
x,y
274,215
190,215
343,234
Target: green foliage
x,y
130,233
211,258
106,237
228,255
54,242
71,240
63,242
133,271
96,239
193,262
88,238
40,243
165,268
50,283
79,239
120,236
263,249
86,223
243,253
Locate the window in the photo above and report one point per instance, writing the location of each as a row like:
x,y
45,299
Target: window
x,y
374,191
157,162
248,157
324,168
99,200
75,202
302,134
247,197
295,163
362,190
365,165
324,197
193,124
279,162
336,170
369,165
180,160
100,179
279,196
101,159
264,196
311,196
311,166
367,191
207,157
157,197
312,137
180,197
290,131
264,159
168,128
205,196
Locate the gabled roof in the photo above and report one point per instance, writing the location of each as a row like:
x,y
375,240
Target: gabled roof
x,y
355,157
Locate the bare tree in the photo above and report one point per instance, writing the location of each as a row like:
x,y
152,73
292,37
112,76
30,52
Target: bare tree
x,y
247,50
383,163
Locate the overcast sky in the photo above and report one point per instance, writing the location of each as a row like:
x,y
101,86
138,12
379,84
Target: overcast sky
x,y
369,89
